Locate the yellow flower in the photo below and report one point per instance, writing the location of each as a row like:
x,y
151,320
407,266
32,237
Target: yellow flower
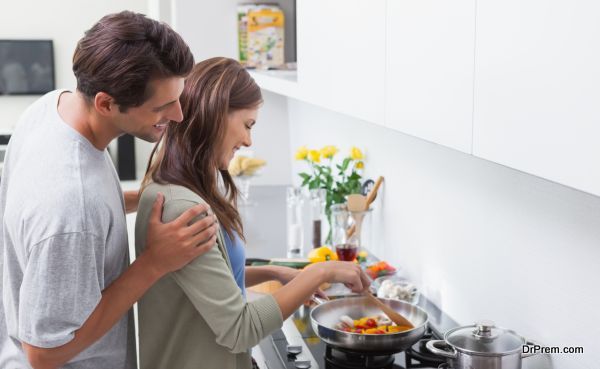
x,y
315,156
329,151
360,165
356,154
302,153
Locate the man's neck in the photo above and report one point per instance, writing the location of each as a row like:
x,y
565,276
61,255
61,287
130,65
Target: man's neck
x,y
74,109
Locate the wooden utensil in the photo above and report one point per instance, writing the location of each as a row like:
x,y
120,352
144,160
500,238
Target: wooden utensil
x,y
373,192
357,202
369,200
391,313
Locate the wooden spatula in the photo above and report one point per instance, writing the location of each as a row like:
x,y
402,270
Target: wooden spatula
x,y
357,202
367,203
391,313
373,193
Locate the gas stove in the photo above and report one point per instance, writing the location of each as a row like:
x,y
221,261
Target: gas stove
x,y
296,346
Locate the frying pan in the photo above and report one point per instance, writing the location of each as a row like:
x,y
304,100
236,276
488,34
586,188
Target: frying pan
x,y
326,316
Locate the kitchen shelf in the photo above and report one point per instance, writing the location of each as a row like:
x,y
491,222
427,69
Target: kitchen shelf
x,y
283,82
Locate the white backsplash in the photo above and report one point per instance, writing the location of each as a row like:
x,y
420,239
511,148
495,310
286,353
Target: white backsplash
x,y
480,240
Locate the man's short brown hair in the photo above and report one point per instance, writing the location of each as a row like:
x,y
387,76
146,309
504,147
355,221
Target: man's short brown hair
x,y
121,53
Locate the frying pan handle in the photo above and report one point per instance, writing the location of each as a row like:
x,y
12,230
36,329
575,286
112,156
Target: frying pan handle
x,y
318,300
446,351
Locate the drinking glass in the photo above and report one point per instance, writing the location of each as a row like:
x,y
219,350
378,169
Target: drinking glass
x,y
347,231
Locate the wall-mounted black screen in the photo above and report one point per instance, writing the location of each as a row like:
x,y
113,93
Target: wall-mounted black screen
x,y
26,67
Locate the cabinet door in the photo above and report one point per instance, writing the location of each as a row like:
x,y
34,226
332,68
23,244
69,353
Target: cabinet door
x,y
537,88
341,55
429,66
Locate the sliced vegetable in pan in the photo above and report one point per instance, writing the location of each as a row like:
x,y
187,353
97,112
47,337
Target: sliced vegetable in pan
x,y
369,325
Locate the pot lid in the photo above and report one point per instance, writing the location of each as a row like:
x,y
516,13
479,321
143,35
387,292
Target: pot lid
x,y
485,338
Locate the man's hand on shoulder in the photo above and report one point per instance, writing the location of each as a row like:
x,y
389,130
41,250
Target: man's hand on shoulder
x,y
171,246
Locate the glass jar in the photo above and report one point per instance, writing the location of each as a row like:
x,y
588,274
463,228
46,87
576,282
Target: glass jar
x,y
347,231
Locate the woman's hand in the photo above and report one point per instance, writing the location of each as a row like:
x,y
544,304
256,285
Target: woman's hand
x,y
299,289
346,272
171,246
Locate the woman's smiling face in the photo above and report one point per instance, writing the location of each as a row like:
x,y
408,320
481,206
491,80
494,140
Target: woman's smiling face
x,y
237,134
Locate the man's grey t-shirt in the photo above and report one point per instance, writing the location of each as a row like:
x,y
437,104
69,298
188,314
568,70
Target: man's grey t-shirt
x,y
63,239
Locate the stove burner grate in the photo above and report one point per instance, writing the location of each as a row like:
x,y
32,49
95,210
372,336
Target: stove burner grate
x,y
337,358
419,356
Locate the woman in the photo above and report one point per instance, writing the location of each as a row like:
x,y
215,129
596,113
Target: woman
x,y
197,317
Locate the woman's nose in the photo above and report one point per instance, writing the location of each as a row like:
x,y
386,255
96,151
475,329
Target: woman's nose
x,y
248,140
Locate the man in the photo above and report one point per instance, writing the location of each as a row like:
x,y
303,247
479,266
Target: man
x,y
66,283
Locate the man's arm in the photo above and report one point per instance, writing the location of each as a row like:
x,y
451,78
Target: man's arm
x,y
132,199
170,246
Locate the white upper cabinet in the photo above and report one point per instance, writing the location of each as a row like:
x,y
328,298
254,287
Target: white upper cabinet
x,y
341,55
537,88
429,70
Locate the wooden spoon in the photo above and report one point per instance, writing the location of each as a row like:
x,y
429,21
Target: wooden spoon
x,y
356,202
373,192
367,203
391,313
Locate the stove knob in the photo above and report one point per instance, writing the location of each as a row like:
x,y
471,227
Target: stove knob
x,y
293,350
302,364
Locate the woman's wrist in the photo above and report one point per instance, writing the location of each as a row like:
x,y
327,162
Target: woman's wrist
x,y
318,273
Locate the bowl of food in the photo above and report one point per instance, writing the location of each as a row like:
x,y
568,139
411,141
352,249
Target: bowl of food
x,y
396,288
379,269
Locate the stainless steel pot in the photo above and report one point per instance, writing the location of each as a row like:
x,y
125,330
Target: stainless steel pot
x,y
481,346
325,317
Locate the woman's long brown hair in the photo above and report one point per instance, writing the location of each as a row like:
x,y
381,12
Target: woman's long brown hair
x,y
188,152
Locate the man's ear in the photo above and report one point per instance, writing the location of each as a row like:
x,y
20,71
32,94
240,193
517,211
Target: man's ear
x,y
105,104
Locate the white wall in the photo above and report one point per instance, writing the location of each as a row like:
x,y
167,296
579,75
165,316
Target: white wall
x,y
208,27
64,22
481,240
271,141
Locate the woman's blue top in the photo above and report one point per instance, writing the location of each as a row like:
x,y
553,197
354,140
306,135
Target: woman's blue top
x,y
237,257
